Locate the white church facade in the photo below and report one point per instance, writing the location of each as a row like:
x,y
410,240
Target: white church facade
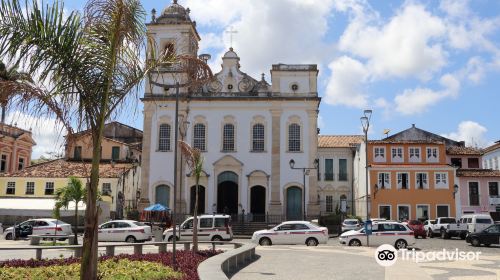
x,y
247,129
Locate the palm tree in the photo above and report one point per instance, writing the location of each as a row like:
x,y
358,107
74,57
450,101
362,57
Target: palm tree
x,y
92,62
75,192
194,160
11,80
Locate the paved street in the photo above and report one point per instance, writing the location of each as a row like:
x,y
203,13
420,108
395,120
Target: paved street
x,y
334,261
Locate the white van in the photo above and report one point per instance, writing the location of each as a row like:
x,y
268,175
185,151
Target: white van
x,y
210,228
476,222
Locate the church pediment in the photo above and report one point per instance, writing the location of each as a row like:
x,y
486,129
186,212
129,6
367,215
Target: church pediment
x,y
27,138
228,160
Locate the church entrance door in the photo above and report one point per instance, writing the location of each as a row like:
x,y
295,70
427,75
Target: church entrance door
x,y
294,203
227,193
258,203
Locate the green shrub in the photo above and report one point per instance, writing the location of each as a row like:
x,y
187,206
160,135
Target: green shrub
x,y
120,269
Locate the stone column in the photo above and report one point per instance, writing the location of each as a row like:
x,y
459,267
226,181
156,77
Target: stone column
x,y
275,205
313,206
146,156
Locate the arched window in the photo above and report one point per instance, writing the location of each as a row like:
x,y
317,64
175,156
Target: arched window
x,y
228,137
294,137
169,50
199,136
258,137
164,138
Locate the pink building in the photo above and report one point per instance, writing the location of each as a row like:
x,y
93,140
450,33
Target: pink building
x,y
478,187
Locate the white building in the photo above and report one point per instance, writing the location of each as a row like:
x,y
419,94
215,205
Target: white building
x,y
247,129
491,157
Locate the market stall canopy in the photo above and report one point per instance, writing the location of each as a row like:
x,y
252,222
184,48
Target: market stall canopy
x,y
157,207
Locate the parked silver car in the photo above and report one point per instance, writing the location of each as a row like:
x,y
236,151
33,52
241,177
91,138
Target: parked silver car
x,y
350,224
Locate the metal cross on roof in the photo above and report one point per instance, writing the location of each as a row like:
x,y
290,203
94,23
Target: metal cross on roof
x,y
231,31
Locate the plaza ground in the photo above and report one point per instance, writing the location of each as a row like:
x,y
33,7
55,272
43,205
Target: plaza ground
x,y
332,261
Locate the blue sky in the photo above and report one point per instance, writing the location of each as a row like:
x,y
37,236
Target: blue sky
x,y
431,63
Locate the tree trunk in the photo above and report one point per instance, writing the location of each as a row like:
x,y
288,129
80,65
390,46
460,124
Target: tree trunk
x,y
76,223
88,269
195,219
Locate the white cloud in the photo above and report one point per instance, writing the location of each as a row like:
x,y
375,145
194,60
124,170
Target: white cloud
x,y
406,45
471,132
345,84
419,100
278,31
46,131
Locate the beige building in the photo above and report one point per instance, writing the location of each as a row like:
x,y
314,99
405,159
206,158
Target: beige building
x,y
336,175
16,145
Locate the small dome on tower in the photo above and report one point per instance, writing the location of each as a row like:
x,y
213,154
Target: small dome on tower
x,y
230,54
174,12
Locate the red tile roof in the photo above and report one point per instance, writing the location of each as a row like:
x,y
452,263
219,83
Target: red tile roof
x,y
464,151
61,168
390,141
478,173
339,141
492,147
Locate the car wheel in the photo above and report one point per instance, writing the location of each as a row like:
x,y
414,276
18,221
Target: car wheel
x,y
354,242
130,239
463,236
444,235
8,236
216,238
265,241
400,244
430,234
424,236
475,242
171,238
312,242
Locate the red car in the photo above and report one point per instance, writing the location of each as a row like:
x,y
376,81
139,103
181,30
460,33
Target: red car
x,y
417,227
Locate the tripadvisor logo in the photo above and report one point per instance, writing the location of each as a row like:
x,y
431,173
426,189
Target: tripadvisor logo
x,y
387,255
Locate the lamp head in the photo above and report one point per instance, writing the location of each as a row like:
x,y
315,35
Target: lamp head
x,y
368,114
292,163
364,123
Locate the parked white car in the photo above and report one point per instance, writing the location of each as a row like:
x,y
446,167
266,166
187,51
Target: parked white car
x,y
41,227
476,222
210,228
124,230
393,233
350,224
428,225
292,232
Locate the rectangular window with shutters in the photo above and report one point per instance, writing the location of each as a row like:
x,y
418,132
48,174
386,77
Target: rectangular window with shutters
x,y
115,153
77,153
443,211
473,193
432,154
49,188
421,179
493,189
441,180
20,166
329,203
3,164
473,162
397,154
384,180
343,169
414,154
403,182
328,169
106,189
30,187
11,188
379,154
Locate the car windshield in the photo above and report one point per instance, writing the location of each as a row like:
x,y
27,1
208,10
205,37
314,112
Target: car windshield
x,y
138,224
350,222
448,221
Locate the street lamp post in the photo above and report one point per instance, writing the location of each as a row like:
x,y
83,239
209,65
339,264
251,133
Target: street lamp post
x,y
305,171
365,122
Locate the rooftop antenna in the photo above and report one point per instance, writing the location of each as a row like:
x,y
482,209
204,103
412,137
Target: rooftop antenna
x,y
386,132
